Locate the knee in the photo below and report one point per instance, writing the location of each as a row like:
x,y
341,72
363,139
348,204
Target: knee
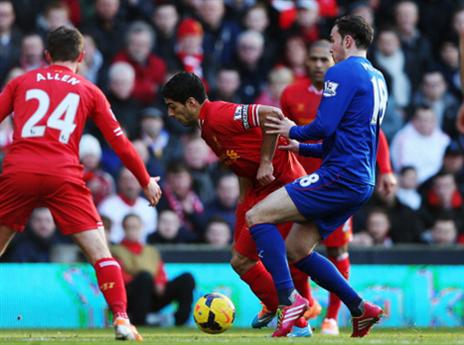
x,y
296,252
241,264
251,217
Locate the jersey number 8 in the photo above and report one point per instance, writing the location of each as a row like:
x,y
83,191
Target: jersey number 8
x,y
67,108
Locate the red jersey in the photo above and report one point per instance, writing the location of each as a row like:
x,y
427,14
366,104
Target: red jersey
x,y
300,101
51,106
233,133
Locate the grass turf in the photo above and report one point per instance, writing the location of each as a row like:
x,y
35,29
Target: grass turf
x,y
235,336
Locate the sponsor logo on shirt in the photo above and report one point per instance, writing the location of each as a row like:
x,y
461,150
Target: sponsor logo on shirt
x,y
330,88
241,113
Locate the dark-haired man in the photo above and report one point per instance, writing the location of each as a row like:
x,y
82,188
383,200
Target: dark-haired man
x,y
233,132
51,106
348,121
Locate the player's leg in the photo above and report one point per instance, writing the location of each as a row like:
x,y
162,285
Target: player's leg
x,y
277,207
75,214
251,270
6,235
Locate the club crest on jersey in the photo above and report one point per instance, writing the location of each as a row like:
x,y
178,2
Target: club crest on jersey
x,y
330,88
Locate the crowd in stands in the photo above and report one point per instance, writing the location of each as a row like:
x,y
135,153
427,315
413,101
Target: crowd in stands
x,y
245,51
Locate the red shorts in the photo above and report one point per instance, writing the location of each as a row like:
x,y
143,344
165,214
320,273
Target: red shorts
x,y
243,241
341,236
69,201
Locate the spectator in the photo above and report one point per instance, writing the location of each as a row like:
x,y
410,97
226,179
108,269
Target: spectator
x,y
391,59
125,107
218,233
227,85
250,47
178,196
433,93
443,196
35,244
128,200
405,225
163,147
407,192
421,144
197,158
148,288
449,66
32,48
150,70
443,231
106,28
56,14
415,46
10,39
377,228
295,55
170,231
100,183
92,65
165,19
225,202
453,163
189,50
220,33
363,9
279,78
306,24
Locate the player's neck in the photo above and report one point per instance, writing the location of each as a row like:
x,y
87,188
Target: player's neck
x,y
356,53
71,65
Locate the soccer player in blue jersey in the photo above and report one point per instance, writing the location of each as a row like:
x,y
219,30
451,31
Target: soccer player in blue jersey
x,y
348,121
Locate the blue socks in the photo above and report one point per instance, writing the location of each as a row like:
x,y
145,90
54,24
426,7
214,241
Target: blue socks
x,y
325,274
271,251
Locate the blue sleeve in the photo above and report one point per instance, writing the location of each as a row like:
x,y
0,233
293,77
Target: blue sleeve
x,y
311,150
337,95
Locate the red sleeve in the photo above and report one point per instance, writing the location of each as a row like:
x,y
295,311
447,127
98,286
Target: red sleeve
x,y
233,118
109,126
383,155
248,115
7,100
284,104
161,277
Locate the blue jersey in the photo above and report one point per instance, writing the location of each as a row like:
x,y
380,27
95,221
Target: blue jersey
x,y
348,119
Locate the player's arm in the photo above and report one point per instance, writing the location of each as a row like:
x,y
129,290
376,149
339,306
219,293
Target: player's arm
x,y
387,180
109,126
303,149
265,172
335,100
6,100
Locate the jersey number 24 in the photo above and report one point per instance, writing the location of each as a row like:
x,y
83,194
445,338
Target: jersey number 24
x,y
62,117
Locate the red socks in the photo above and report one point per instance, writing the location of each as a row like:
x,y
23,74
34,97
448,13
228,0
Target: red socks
x,y
343,265
260,282
301,281
111,284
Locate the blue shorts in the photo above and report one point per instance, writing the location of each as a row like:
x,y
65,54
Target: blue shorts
x,y
326,201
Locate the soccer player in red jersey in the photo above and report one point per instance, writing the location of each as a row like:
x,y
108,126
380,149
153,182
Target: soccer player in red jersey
x,y
49,107
300,102
233,132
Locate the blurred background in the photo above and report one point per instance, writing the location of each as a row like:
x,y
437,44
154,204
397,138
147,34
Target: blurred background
x,y
406,247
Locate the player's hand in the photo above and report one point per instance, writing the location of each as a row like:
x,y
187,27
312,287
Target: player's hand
x,y
460,119
292,146
387,184
265,174
280,126
153,191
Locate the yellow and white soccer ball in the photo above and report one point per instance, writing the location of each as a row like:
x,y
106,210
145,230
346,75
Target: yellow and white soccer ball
x,y
214,313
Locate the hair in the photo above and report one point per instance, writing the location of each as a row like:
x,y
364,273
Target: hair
x,y
176,167
65,44
445,216
139,27
319,44
217,219
407,168
121,68
356,27
182,86
255,36
57,5
130,215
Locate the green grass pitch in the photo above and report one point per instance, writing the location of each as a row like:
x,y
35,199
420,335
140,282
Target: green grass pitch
x,y
173,336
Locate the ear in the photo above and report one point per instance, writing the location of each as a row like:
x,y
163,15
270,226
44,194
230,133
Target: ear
x,y
348,41
81,57
192,102
48,57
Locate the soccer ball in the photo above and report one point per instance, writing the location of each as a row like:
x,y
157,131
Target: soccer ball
x,y
214,313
